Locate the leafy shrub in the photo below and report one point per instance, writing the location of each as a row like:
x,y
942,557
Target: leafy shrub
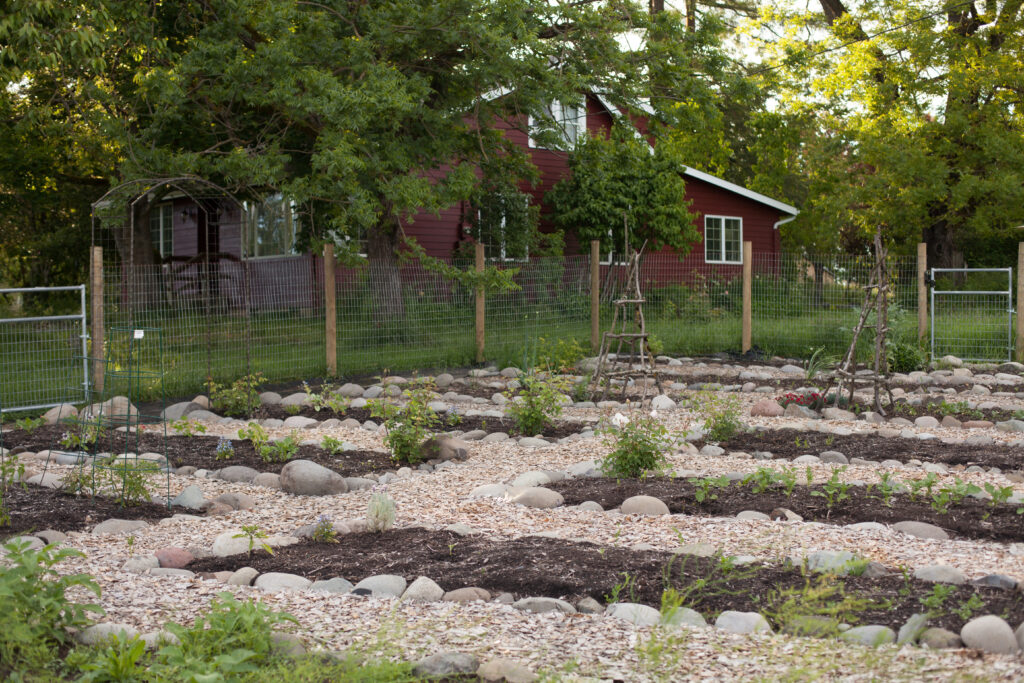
x,y
238,398
905,356
11,472
37,614
538,404
125,478
638,446
255,434
720,415
559,357
409,425
325,398
380,512
281,450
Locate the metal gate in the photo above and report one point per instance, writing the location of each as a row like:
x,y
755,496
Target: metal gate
x,y
43,360
972,324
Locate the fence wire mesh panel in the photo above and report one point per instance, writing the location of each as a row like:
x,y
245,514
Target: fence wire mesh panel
x,y
691,308
402,319
551,307
41,354
972,313
802,303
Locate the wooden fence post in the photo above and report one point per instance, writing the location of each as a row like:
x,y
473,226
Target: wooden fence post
x,y
595,295
96,305
330,312
1020,302
922,291
748,258
479,264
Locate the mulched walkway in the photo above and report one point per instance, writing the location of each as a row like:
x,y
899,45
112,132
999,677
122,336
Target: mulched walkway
x,y
784,384
35,508
531,566
966,519
789,443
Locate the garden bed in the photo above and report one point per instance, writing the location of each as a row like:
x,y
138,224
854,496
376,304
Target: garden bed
x,y
36,508
790,443
532,567
968,518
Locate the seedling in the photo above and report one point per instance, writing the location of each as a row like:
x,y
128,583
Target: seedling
x,y
255,536
186,427
1000,495
703,487
834,490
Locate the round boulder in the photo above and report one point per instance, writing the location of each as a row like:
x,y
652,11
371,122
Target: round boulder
x,y
537,497
643,505
306,478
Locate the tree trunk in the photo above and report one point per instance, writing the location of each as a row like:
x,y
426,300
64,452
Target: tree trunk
x,y
385,282
942,249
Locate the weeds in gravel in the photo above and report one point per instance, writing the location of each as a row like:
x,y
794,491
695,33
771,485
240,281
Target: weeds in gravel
x,y
186,427
935,601
407,426
927,483
638,446
238,398
887,486
762,479
720,415
537,404
817,363
325,399
787,478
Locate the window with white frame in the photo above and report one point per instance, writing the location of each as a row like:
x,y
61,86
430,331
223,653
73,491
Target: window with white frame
x,y
161,229
570,120
723,239
503,225
271,227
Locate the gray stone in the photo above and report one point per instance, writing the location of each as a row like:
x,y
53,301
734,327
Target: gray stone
x,y
831,561
423,589
712,451
990,634
838,414
140,565
474,435
179,410
799,411
589,605
640,615
446,664
243,577
872,635
307,478
47,480
495,437
443,380
643,505
467,594
270,398
911,631
296,399
684,616
834,457
154,640
867,526
270,480
286,644
766,408
489,491
1002,581
373,392
940,573
939,639
51,536
921,530
64,411
237,474
590,506
383,585
171,571
541,605
533,478
662,402
926,422
98,634
806,460
753,515
500,669
273,582
742,622
537,497
533,442
118,526
1011,426
299,422
350,390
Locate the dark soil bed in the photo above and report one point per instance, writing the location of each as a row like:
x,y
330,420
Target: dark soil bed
x,y
35,508
528,567
966,519
789,443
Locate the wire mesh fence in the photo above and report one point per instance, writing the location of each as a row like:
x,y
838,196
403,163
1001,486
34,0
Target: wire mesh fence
x,y
224,319
972,313
41,355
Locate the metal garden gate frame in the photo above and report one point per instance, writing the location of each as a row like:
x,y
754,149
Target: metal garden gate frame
x,y
57,361
1008,294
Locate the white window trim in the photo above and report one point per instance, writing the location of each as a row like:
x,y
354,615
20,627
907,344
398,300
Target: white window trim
x,y
557,114
722,261
159,208
502,258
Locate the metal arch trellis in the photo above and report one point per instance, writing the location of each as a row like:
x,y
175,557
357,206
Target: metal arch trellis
x,y
120,204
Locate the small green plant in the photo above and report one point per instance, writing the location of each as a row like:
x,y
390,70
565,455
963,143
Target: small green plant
x,y
256,435
787,477
560,356
720,415
225,449
37,615
408,426
323,531
281,450
718,580
293,409
239,398
29,424
818,362
380,512
130,542
124,478
704,488
834,490
255,536
926,483
761,479
802,442
623,589
638,446
934,601
904,357
332,445
999,496
816,608
118,659
536,406
186,427
952,494
325,399
969,607
81,435
887,486
11,472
